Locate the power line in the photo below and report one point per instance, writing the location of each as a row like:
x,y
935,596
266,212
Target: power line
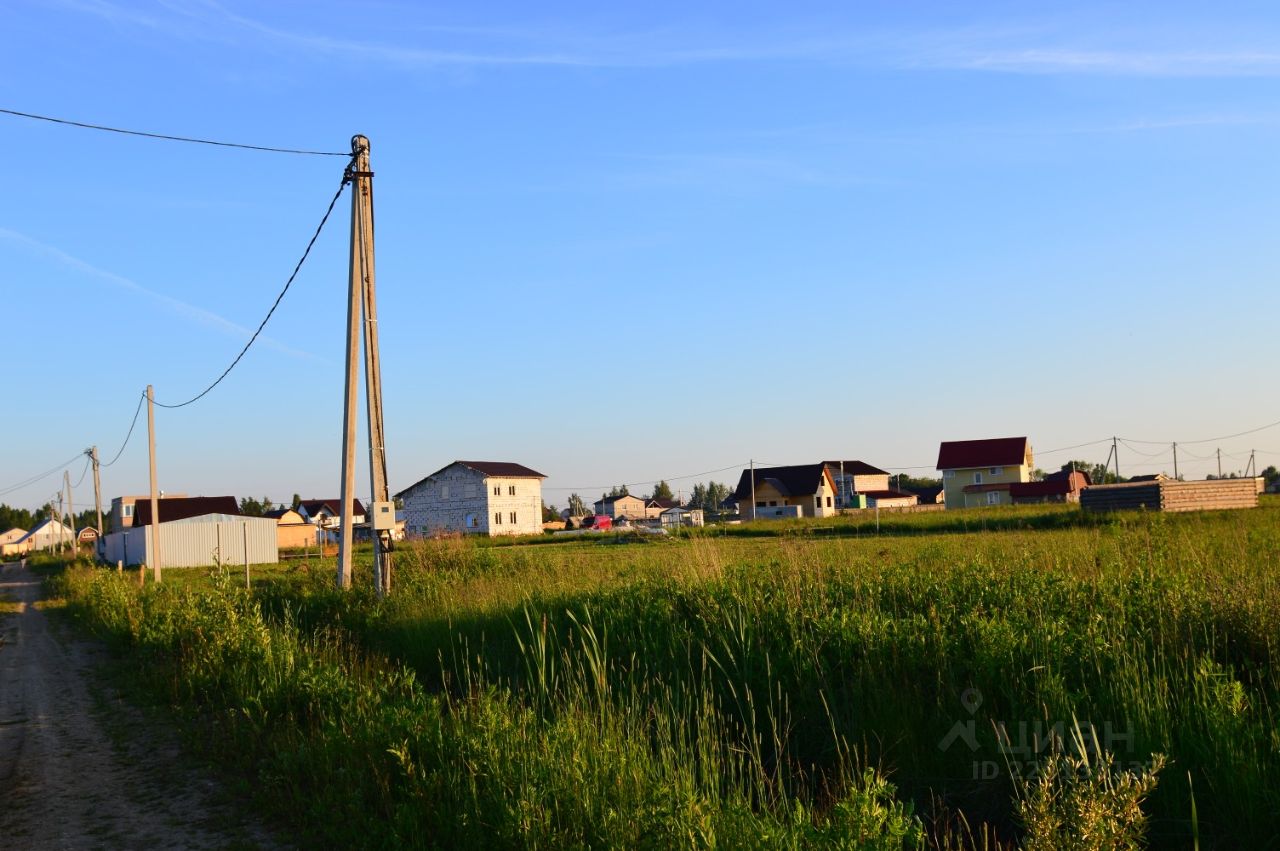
x,y
343,185
649,482
1209,439
169,138
136,411
83,471
31,481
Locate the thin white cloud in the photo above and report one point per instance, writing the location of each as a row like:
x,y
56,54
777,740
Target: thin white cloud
x,y
199,315
991,49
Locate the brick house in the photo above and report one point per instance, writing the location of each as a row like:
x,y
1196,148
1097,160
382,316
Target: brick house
x,y
475,498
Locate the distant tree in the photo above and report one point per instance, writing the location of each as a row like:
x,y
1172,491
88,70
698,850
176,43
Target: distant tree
x,y
297,501
1270,474
618,490
662,490
577,508
905,482
1098,473
708,497
549,513
19,518
255,507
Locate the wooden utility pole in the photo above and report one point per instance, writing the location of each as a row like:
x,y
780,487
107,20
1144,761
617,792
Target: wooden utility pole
x,y
97,490
753,490
1115,447
362,303
1175,461
155,494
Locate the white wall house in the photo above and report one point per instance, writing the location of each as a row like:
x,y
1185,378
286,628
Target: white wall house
x,y
476,498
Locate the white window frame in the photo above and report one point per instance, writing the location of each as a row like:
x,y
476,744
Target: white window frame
x,y
995,471
977,477
993,497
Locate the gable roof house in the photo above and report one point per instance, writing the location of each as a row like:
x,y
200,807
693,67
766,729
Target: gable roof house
x,y
801,490
327,513
475,498
9,542
629,507
860,485
47,533
1063,486
980,472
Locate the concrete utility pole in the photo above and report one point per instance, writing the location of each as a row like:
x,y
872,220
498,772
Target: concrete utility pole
x,y
1115,447
753,490
1219,463
97,489
155,494
362,303
1175,461
71,511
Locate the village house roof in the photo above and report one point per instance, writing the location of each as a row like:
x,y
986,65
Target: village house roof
x,y
993,452
1071,483
181,508
488,469
504,469
662,503
855,468
796,480
929,494
315,506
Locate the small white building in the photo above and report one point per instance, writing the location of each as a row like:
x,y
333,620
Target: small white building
x,y
475,498
47,534
678,515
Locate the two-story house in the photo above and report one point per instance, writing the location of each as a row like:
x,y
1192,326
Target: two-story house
x,y
475,498
619,507
122,508
980,472
860,485
802,490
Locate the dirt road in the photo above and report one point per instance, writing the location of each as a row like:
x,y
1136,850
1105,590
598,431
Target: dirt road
x,y
81,769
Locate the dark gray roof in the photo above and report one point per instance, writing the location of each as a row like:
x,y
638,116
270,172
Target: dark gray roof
x,y
790,481
855,468
503,469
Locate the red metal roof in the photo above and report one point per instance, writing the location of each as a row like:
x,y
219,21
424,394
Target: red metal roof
x,y
1049,487
993,452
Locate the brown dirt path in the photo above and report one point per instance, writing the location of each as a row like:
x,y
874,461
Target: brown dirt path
x,y
79,768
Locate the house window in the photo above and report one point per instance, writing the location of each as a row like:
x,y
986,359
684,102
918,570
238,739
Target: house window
x,y
511,490
444,491
977,477
828,502
497,518
760,504
995,471
128,510
993,497
772,503
497,490
472,522
513,518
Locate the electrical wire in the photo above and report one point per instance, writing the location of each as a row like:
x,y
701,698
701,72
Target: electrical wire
x,y
136,411
650,482
275,304
83,472
169,138
24,483
1210,439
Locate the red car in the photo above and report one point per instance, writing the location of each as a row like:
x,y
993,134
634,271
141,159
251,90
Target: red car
x,y
600,523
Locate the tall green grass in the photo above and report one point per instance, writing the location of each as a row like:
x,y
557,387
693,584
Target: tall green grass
x,y
769,692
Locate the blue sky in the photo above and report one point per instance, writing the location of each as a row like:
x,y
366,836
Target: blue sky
x,y
619,243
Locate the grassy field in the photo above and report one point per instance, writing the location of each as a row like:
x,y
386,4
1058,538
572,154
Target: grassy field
x,y
1035,677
